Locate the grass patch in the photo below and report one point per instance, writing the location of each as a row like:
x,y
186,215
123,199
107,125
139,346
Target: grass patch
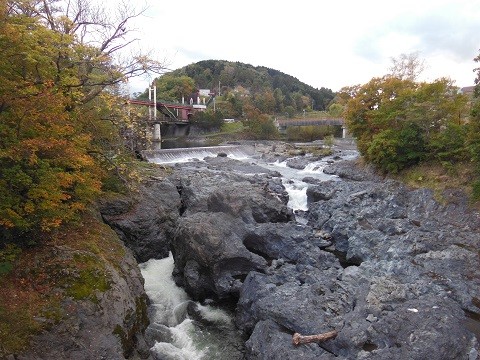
x,y
309,133
86,277
16,328
228,132
312,150
8,256
440,177
231,128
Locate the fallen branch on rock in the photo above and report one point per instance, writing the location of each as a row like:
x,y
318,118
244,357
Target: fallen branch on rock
x,y
302,339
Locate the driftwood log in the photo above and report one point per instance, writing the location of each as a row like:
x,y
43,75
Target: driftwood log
x,y
306,339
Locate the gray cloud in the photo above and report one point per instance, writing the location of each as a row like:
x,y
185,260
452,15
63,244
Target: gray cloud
x,y
445,32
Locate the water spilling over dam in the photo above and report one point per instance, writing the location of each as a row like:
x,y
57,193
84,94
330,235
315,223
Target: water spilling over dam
x,y
180,155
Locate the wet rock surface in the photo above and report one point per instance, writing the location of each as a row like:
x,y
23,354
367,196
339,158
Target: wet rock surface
x,y
393,271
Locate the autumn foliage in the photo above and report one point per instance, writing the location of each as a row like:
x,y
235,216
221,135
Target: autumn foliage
x,y
60,119
46,172
399,122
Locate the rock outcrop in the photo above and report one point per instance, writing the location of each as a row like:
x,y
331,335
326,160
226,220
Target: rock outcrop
x,y
145,220
221,208
101,307
404,282
392,270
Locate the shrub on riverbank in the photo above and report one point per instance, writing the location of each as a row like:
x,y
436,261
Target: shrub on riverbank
x,y
400,123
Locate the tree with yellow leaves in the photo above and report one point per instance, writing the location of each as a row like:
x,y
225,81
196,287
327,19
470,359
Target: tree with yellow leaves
x,y
59,68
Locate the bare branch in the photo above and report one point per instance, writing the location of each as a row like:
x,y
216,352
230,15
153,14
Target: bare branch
x,y
306,339
100,38
407,66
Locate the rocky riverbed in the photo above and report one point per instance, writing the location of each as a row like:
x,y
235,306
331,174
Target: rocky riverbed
x,y
393,271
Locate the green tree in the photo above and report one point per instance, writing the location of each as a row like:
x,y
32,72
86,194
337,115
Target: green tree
x,y
173,88
208,120
449,145
265,102
289,111
335,110
473,132
388,114
473,143
394,150
279,98
258,125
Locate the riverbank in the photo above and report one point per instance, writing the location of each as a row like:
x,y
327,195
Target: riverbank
x,y
393,271
389,268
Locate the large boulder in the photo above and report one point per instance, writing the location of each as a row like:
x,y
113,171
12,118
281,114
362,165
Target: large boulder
x,y
219,211
254,198
146,219
210,258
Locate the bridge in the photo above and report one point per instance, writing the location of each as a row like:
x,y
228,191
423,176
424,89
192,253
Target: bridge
x,y
170,113
177,113
283,124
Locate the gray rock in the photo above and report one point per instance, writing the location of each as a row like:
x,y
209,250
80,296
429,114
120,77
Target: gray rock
x,y
389,268
271,341
301,162
110,328
324,191
145,224
210,255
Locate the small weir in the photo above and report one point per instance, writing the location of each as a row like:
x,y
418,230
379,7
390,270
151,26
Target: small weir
x,y
181,155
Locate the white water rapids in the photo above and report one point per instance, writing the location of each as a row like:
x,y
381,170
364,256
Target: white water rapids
x,y
293,183
178,337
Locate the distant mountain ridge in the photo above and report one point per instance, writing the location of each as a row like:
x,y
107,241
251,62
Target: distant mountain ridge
x,y
223,76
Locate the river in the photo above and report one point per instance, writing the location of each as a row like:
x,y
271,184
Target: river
x,y
194,331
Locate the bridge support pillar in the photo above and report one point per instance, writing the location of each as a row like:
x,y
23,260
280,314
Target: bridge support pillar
x,y
344,132
157,137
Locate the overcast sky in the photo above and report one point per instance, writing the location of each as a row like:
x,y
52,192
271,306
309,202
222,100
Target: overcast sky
x,y
323,44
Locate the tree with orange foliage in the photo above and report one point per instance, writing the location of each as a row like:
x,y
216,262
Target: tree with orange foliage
x,y
56,86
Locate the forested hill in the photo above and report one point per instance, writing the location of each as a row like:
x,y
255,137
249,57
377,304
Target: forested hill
x,y
226,76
